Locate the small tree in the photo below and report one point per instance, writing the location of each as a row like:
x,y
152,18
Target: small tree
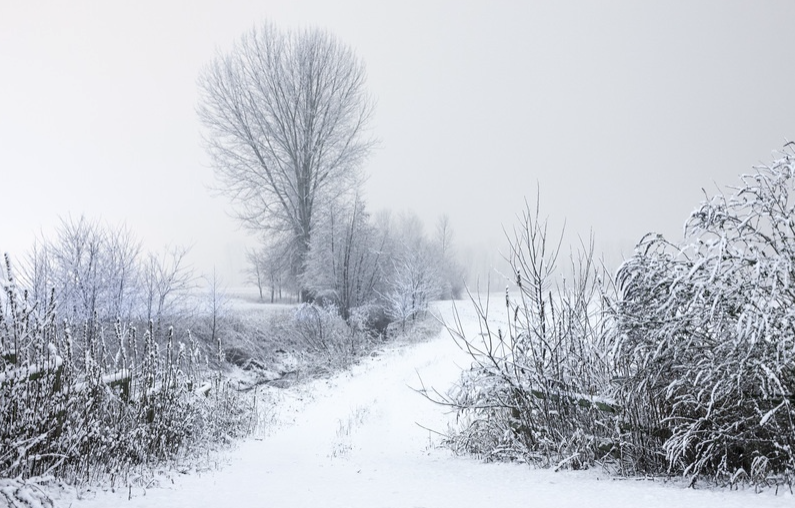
x,y
270,267
344,263
167,280
451,273
412,287
413,278
255,271
216,306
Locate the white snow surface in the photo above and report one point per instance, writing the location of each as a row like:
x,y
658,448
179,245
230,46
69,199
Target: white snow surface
x,y
354,441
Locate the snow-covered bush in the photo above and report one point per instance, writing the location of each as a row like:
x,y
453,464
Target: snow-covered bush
x,y
413,273
412,286
127,403
706,336
536,389
322,332
371,319
684,363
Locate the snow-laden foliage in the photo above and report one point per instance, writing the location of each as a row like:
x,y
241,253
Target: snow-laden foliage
x,y
684,363
83,403
706,334
321,330
412,273
536,389
15,493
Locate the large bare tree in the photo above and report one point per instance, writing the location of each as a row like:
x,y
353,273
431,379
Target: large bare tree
x,y
286,116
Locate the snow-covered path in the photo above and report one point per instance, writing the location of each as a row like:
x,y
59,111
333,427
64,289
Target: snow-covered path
x,y
353,441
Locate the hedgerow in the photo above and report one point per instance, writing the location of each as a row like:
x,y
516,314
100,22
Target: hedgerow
x,y
85,402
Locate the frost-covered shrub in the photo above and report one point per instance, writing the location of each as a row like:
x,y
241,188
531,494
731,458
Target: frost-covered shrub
x,y
706,335
370,319
536,389
413,284
321,331
685,366
127,403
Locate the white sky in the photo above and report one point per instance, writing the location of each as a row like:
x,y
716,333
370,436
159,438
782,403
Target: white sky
x,y
621,111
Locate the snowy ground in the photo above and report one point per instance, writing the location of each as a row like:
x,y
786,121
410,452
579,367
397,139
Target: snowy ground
x,y
354,441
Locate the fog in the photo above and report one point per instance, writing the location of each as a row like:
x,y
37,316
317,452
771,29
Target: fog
x,y
619,112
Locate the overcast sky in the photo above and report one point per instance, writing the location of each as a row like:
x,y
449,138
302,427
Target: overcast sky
x,y
620,111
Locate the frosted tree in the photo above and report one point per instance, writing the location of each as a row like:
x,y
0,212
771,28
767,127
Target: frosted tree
x,y
269,266
286,114
92,267
166,280
451,273
255,271
413,279
345,261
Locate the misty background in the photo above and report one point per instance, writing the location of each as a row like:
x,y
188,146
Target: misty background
x,y
620,112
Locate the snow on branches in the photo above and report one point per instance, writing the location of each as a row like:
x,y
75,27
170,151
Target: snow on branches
x,y
706,332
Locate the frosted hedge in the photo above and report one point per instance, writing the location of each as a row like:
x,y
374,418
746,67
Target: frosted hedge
x,y
682,363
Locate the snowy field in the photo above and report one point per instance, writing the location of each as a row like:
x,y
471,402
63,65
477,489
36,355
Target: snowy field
x,y
357,440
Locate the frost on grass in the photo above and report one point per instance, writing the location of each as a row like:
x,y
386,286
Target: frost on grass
x,y
88,405
23,494
343,442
